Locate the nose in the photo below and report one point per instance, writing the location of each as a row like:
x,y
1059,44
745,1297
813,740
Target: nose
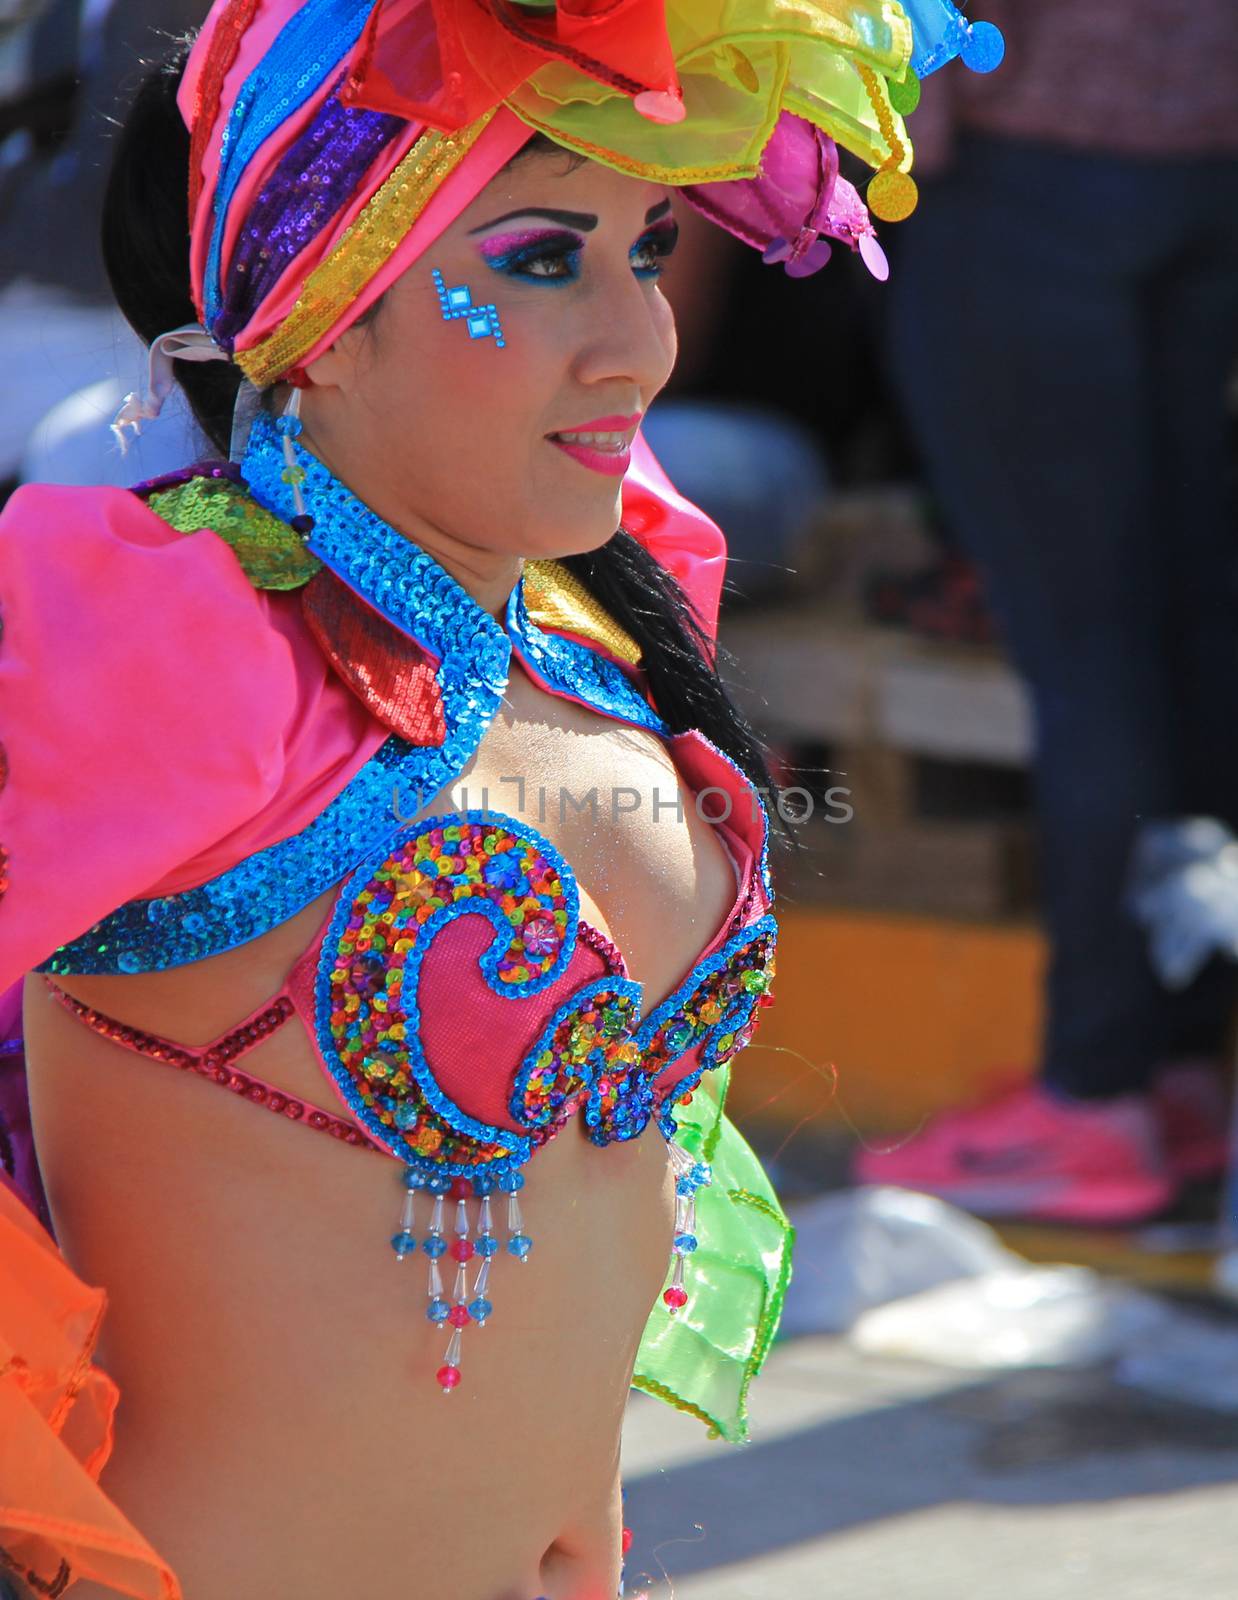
x,y
629,337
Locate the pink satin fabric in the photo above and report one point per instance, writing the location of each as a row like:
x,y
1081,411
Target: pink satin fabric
x,y
162,719
688,544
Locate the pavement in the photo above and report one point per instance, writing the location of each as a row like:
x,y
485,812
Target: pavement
x,y
871,1479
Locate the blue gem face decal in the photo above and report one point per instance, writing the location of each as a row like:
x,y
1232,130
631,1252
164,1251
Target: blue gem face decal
x,y
482,322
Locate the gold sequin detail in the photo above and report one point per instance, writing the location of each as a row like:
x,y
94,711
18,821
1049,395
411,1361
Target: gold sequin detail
x,y
366,246
270,552
556,598
892,195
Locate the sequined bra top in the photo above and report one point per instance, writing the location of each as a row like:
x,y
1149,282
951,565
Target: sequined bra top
x,y
458,929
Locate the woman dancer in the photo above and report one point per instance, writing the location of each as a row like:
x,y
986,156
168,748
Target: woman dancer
x,y
366,772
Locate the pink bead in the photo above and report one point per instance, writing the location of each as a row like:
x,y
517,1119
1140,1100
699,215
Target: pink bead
x,y
461,1250
660,106
449,1377
874,258
675,1298
458,1316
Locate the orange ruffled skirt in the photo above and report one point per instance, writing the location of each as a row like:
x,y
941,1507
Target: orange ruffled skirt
x,y
56,1414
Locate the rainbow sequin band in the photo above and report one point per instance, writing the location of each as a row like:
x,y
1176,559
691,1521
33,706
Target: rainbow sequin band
x,y
365,247
312,184
225,46
304,55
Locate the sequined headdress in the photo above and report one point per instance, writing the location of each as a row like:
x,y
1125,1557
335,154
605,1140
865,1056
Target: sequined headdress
x,y
333,140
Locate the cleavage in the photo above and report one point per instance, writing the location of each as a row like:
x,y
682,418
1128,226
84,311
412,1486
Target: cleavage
x,y
651,874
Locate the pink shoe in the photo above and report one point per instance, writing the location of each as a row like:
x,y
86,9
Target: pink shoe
x,y
1193,1110
1035,1155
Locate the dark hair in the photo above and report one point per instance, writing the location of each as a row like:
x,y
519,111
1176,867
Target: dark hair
x,y
146,252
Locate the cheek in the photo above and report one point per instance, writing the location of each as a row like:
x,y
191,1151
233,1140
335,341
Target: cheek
x,y
456,404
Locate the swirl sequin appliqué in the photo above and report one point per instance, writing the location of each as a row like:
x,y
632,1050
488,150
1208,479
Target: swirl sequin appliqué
x,y
368,1016
714,1011
593,1050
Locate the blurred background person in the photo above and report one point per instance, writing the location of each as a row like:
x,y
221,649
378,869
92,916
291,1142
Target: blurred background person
x,y
1063,320
65,65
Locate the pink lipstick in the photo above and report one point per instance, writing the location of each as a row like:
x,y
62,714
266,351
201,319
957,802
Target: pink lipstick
x,y
603,445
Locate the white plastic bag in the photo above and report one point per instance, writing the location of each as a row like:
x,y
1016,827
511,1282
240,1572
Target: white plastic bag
x,y
864,1247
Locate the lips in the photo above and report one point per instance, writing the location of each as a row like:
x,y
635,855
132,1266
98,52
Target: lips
x,y
603,445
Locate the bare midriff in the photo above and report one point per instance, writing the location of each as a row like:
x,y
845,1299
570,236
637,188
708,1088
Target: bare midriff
x,y
280,1432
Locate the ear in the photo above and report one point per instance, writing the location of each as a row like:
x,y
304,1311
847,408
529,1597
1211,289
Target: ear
x,y
337,368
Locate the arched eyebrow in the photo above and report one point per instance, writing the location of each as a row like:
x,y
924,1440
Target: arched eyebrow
x,y
582,221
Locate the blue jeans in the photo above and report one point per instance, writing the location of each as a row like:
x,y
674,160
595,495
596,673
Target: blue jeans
x,y
1061,329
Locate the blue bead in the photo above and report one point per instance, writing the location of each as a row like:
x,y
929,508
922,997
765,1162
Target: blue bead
x,y
438,1183
413,1178
983,48
484,1184
485,1244
510,1182
437,1309
685,1244
685,1188
403,1244
701,1174
434,1245
519,1245
480,1308
405,1117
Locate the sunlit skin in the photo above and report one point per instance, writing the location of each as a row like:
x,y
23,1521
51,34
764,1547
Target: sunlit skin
x,y
280,1431
448,434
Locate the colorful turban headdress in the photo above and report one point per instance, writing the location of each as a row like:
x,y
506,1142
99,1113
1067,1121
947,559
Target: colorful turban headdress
x,y
333,140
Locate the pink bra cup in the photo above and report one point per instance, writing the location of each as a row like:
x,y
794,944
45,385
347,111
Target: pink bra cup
x,y
464,944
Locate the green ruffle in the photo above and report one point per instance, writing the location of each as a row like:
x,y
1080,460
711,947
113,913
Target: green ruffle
x,y
703,1359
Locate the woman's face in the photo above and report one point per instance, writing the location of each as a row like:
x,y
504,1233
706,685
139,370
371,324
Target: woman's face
x,y
469,447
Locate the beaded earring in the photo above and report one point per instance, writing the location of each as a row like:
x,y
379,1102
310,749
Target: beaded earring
x,y
481,321
288,425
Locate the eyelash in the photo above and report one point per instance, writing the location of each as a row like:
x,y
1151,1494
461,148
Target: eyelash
x,y
567,248
661,241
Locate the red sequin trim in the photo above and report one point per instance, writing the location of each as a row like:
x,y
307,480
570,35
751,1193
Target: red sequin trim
x,y
392,676
212,1063
610,953
224,48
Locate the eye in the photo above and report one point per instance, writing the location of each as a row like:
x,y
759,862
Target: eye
x,y
651,252
546,258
